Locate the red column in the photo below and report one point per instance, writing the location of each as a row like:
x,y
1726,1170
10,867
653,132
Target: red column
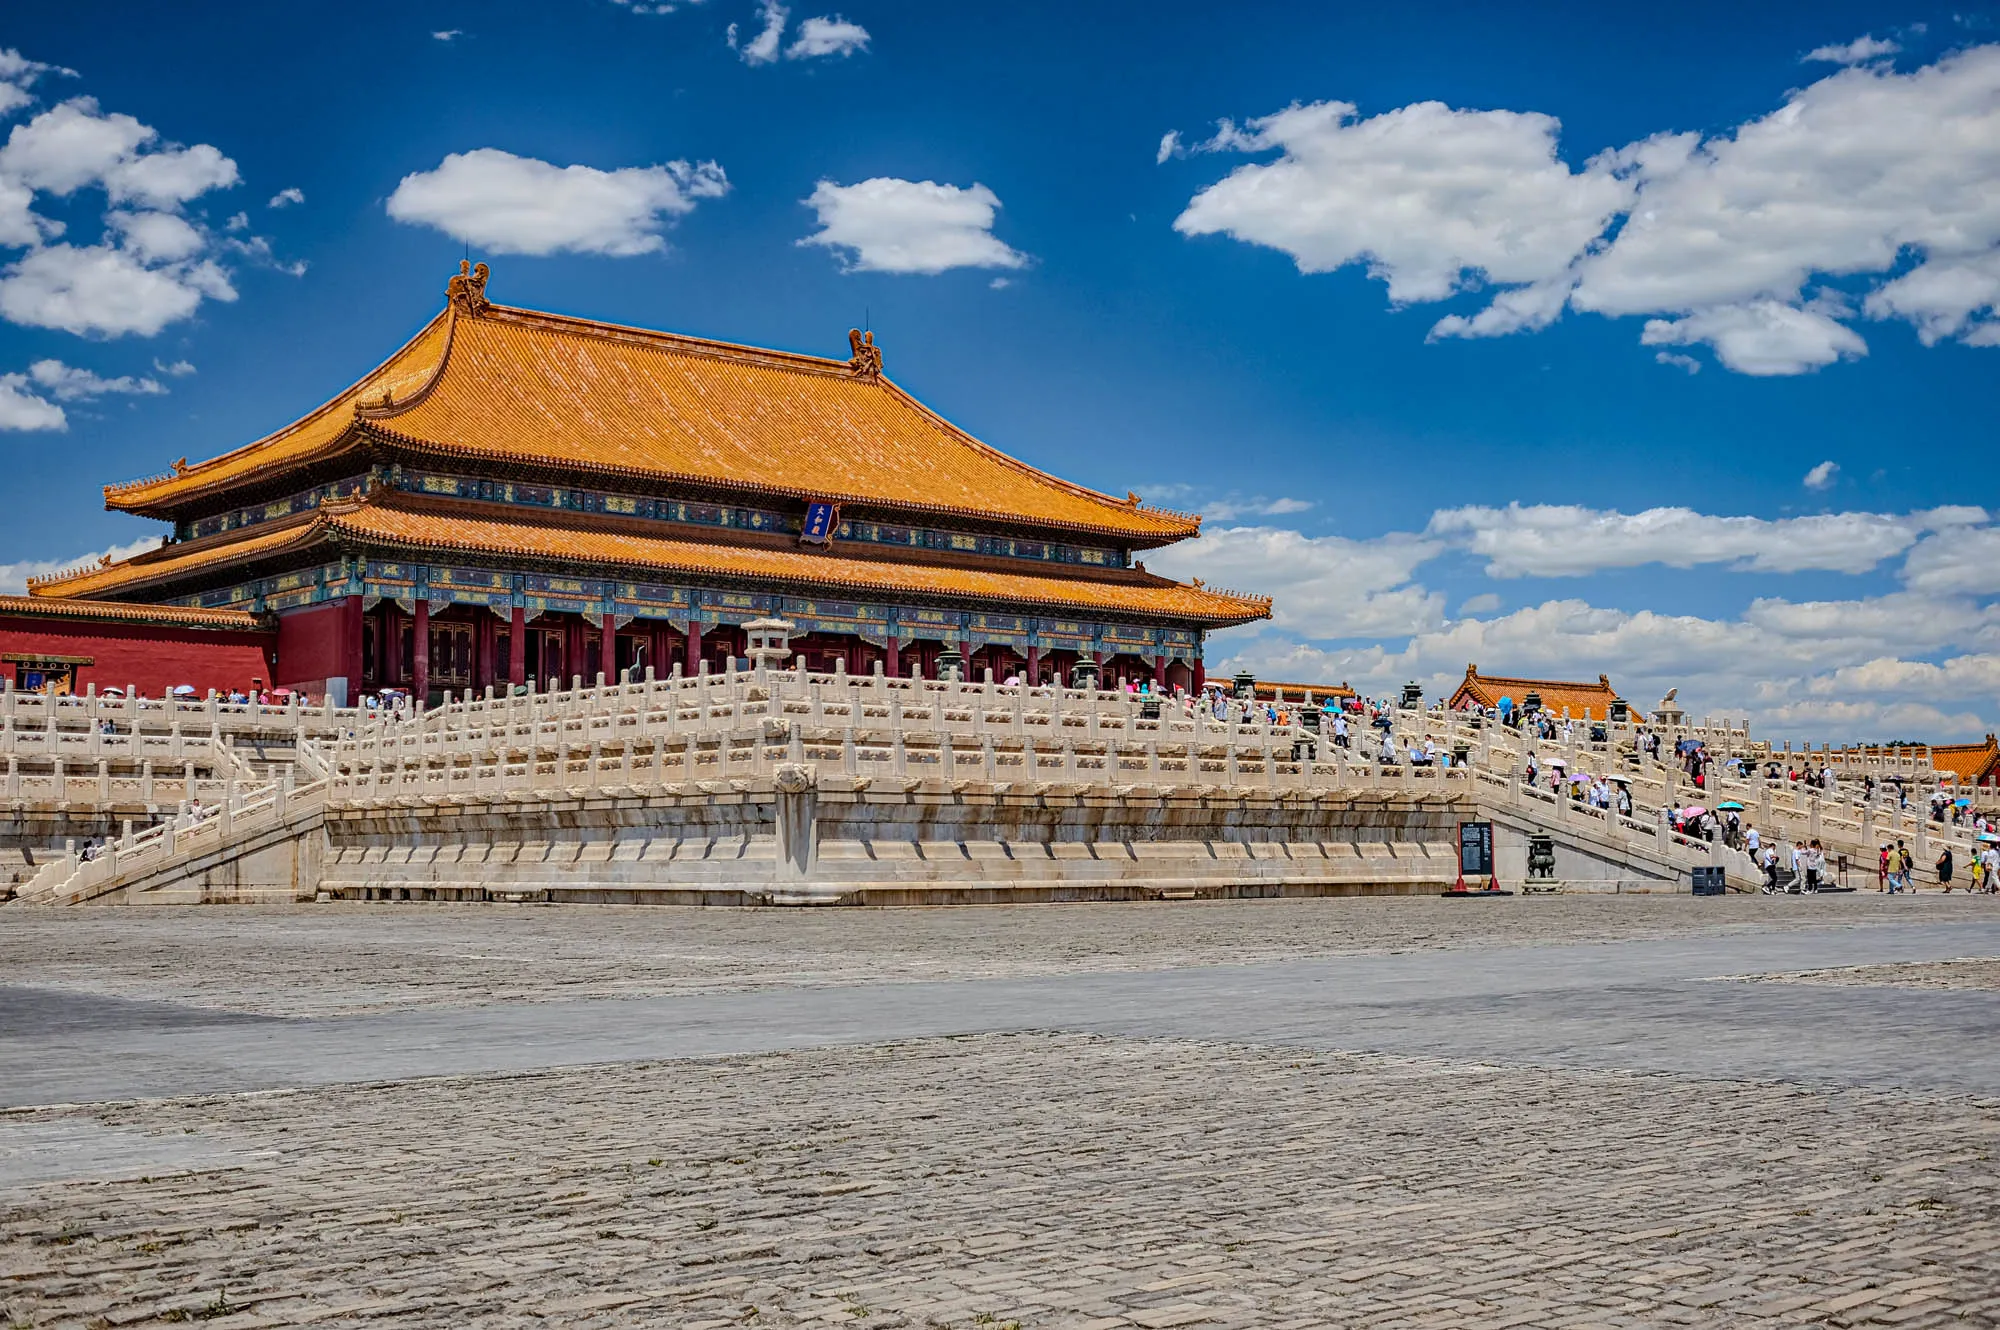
x,y
517,647
694,647
1159,671
663,651
1034,666
893,667
1200,674
420,684
609,654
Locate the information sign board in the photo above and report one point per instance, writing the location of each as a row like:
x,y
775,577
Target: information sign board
x,y
1475,849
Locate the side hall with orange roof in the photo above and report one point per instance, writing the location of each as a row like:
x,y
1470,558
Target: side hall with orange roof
x,y
1584,701
72,646
515,497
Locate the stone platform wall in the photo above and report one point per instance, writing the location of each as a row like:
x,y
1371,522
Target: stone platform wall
x,y
839,840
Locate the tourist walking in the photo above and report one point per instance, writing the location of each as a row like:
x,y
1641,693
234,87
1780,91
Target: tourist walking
x,y
1944,869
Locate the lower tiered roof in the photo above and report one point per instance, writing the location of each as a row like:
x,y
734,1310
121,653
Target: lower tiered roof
x,y
413,526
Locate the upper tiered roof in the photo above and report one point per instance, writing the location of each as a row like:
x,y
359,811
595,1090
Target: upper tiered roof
x,y
486,384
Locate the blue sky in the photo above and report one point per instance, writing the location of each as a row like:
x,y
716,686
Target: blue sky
x,y
1725,422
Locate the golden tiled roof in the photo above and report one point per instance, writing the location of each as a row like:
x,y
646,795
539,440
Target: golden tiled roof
x,y
410,523
485,383
170,560
1584,700
114,611
1269,690
1967,763
323,431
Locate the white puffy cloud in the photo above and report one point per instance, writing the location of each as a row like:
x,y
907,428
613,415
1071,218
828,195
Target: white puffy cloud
x,y
1945,298
173,369
519,205
818,38
1923,660
156,237
14,576
1821,477
1858,51
288,197
150,266
827,36
69,146
17,75
1778,664
22,409
75,144
20,224
1765,337
1559,540
104,289
1726,241
1958,562
763,48
910,226
1330,586
1851,174
1421,195
25,399
67,383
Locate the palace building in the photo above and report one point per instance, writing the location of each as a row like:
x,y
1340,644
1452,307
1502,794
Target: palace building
x,y
1584,701
516,497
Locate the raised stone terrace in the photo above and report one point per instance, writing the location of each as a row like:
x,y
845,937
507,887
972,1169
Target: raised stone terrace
x,y
779,786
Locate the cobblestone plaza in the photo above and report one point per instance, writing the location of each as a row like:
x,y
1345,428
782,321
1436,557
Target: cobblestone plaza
x,y
1536,1112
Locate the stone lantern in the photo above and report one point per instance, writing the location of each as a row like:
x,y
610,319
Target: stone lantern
x,y
1413,695
770,642
1244,685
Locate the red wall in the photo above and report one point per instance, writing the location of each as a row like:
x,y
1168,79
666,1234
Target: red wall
x,y
149,657
312,647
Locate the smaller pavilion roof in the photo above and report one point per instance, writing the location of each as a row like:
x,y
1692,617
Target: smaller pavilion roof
x,y
1969,763
1271,690
114,611
1584,700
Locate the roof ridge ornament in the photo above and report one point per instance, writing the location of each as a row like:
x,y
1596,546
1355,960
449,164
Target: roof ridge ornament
x,y
466,292
867,359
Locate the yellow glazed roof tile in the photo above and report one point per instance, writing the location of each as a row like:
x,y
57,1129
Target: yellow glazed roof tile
x,y
498,385
115,611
